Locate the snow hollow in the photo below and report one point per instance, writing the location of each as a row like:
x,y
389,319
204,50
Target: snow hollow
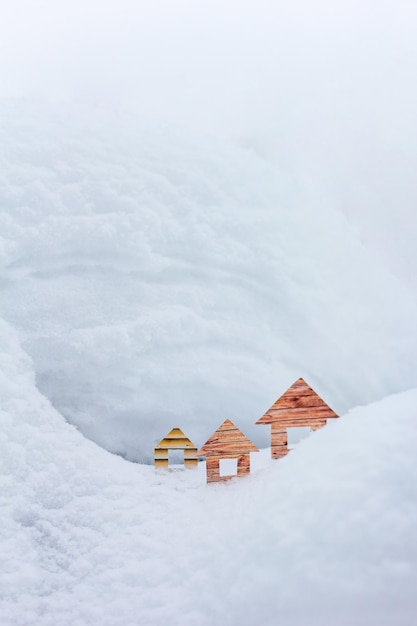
x,y
161,277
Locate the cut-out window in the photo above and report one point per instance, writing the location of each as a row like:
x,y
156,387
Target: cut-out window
x,y
295,435
175,457
228,467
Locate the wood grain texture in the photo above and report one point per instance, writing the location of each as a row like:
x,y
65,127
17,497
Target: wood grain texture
x,y
161,463
279,442
190,457
298,423
175,440
191,463
299,406
299,401
228,442
161,453
310,412
213,468
174,444
190,453
243,465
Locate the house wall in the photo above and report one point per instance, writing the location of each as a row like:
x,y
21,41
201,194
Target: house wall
x,y
213,467
279,441
161,457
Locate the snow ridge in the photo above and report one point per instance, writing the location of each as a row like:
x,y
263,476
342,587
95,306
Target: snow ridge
x,y
88,538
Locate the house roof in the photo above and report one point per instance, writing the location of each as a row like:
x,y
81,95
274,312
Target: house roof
x,y
297,406
175,439
228,440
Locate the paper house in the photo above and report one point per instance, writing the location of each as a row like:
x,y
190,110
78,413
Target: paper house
x,y
299,406
175,440
228,442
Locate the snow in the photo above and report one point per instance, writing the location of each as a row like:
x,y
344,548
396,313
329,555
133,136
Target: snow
x,y
158,276
200,203
325,536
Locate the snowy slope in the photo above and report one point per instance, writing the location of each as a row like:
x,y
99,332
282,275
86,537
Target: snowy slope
x,y
161,277
325,536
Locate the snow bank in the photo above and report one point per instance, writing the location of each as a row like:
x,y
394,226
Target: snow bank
x,y
325,536
160,277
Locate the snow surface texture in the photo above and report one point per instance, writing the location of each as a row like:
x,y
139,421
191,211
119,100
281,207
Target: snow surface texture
x,y
160,277
323,537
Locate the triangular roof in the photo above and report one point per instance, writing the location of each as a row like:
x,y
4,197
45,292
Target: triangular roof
x,y
228,440
175,439
299,402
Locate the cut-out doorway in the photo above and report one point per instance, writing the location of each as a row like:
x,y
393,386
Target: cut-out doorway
x,y
176,457
295,435
228,467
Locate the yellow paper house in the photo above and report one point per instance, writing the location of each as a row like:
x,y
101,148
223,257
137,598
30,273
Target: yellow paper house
x,y
175,440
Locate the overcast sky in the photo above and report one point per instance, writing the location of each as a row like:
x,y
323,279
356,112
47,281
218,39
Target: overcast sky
x,y
214,60
327,90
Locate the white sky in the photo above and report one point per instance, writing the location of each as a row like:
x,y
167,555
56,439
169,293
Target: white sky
x,y
209,58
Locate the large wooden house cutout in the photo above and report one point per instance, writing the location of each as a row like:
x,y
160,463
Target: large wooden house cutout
x,y
228,442
299,406
175,440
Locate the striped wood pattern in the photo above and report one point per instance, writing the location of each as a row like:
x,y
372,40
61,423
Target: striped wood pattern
x,y
213,468
279,442
175,440
227,442
299,406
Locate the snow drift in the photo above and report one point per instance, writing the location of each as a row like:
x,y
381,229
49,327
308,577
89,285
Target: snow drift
x,y
160,277
325,536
